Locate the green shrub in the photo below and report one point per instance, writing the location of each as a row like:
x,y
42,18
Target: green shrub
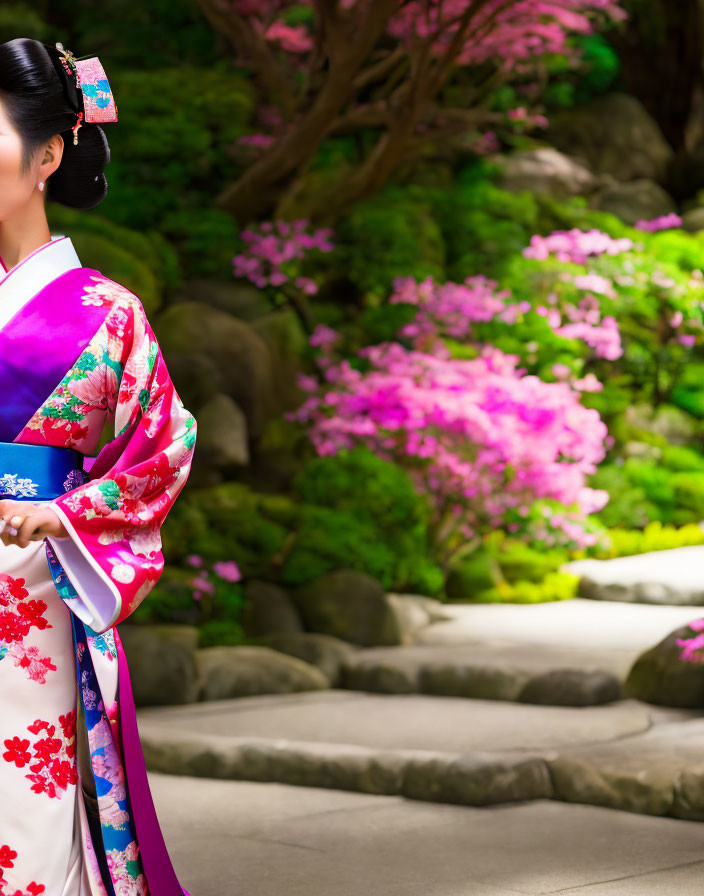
x,y
362,512
653,537
387,236
217,632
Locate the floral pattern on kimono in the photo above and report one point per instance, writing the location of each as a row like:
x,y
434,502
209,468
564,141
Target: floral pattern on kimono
x,y
52,757
114,519
17,617
116,381
7,857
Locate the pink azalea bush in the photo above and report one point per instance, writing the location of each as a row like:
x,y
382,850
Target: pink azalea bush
x,y
693,648
452,309
512,33
500,438
664,222
486,442
226,570
275,251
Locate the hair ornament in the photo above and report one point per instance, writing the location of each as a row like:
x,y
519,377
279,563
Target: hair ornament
x,y
88,77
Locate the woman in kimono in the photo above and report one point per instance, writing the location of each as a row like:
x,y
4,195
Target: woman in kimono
x,y
81,543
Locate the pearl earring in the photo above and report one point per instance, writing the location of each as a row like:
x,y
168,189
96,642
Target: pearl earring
x,y
41,184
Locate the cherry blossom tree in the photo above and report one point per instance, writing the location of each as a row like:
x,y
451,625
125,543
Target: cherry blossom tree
x,y
333,67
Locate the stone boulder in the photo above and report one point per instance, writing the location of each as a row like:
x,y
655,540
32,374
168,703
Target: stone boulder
x,y
613,134
548,171
415,612
693,220
236,359
162,663
660,676
269,610
635,200
349,605
246,671
222,433
323,651
238,299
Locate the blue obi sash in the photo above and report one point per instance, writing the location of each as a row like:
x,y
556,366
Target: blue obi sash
x,y
39,472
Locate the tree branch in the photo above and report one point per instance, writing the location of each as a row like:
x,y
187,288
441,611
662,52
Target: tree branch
x,y
252,47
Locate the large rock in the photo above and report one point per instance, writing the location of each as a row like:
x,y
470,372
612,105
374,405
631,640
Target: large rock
x,y
546,170
414,613
269,610
246,671
222,433
660,676
323,651
349,605
613,134
162,664
693,220
238,299
236,358
635,200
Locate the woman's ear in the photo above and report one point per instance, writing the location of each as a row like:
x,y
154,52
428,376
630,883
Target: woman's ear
x,y
53,153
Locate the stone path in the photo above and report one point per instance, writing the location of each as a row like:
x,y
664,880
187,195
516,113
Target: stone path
x,y
431,747
658,577
246,839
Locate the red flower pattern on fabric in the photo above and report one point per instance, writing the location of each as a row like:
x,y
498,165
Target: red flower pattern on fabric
x,y
7,856
53,761
17,617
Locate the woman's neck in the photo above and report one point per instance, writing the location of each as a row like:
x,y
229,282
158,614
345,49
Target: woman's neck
x,y
24,232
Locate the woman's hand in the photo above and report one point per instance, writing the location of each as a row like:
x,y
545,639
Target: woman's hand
x,y
22,523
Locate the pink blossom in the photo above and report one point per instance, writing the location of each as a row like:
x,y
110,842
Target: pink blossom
x,y
456,425
275,251
228,570
576,245
323,335
664,222
203,584
292,39
687,340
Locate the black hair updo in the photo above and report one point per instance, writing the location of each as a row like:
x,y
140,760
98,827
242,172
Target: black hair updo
x,y
37,103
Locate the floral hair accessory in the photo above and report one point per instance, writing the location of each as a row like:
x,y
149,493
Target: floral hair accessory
x,y
87,75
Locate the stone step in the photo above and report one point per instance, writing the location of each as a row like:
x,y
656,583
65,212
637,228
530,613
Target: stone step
x,y
566,653
500,670
658,577
627,755
262,839
578,623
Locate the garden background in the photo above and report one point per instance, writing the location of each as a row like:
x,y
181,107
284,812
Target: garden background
x,y
430,278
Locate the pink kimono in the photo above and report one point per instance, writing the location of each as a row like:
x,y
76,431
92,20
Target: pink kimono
x,y
76,353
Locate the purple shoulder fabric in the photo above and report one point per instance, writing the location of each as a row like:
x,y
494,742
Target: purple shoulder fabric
x,y
40,344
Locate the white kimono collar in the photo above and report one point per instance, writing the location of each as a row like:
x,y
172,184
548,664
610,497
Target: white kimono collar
x,y
33,273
